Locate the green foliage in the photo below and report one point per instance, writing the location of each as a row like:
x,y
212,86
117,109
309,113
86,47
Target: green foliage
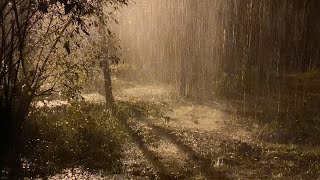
x,y
312,74
291,161
298,131
138,109
81,135
228,83
282,161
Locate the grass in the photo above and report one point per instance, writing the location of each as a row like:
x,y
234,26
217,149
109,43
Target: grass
x,y
90,137
82,135
302,129
138,109
270,160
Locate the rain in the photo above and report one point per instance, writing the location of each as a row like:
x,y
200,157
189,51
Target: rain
x,y
184,89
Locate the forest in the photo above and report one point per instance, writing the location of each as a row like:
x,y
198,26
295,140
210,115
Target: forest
x,y
185,89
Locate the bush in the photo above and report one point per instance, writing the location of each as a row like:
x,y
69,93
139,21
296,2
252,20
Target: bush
x,y
81,135
302,129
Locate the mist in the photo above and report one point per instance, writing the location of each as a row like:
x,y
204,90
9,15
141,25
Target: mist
x,y
161,89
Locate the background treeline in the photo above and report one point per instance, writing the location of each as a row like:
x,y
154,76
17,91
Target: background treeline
x,y
262,55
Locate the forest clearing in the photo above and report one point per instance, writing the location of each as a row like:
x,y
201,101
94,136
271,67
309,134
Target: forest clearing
x,y
188,89
164,136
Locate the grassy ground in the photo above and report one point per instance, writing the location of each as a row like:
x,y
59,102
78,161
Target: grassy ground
x,y
152,133
82,135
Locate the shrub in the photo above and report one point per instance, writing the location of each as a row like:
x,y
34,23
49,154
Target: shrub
x,y
81,135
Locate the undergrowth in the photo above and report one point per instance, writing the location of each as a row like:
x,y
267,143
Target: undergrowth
x,y
303,129
81,135
137,109
270,160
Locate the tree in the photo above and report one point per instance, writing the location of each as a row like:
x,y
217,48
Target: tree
x,y
104,62
32,64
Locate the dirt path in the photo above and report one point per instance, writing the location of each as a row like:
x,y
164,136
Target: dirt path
x,y
185,142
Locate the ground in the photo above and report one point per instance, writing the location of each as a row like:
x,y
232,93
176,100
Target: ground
x,y
187,140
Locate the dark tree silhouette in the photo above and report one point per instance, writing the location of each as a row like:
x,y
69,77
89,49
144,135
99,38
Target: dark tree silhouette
x,y
22,77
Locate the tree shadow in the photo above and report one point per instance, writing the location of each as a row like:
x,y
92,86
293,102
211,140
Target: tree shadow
x,y
204,164
148,154
56,139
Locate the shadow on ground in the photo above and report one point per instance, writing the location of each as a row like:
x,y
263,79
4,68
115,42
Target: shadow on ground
x,y
82,138
197,164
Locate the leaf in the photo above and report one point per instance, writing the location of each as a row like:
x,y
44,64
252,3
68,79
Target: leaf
x,y
95,23
43,7
66,45
109,32
53,1
63,1
68,8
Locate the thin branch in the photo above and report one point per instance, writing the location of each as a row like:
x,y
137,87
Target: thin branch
x,y
51,50
47,31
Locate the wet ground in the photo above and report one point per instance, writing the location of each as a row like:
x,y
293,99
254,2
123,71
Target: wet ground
x,y
183,143
193,141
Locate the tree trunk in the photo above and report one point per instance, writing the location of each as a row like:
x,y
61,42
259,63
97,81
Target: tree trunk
x,y
17,118
5,142
105,64
183,78
107,84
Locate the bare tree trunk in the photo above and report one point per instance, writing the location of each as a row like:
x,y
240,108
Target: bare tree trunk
x,y
16,121
183,78
107,84
16,149
105,64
